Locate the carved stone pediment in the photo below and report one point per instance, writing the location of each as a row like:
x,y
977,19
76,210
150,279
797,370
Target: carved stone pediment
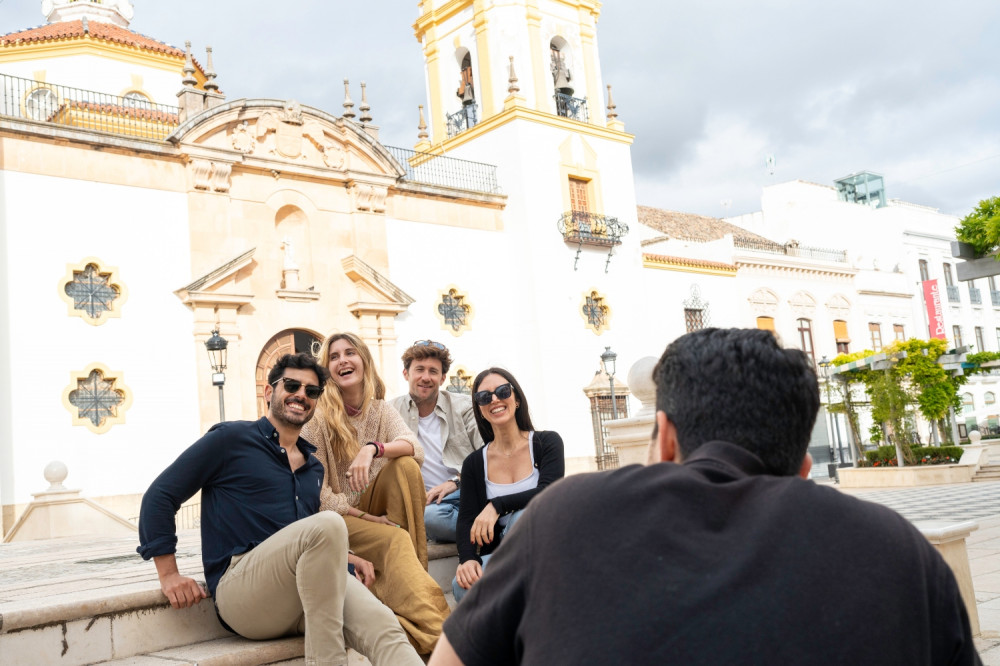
x,y
803,305
763,302
368,197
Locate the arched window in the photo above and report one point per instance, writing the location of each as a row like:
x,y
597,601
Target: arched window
x,y
467,114
841,336
806,338
289,341
561,66
968,403
990,398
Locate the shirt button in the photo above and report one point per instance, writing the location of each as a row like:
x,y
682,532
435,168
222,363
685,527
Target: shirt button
x,y
296,497
282,450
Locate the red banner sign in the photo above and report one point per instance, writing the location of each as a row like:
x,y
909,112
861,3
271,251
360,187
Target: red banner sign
x,y
935,312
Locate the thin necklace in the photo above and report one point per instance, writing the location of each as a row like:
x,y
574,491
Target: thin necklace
x,y
513,450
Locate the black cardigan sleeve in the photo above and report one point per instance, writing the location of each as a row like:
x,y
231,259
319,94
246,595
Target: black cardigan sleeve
x,y
471,501
551,463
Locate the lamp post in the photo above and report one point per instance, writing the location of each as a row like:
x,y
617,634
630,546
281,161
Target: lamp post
x,y
825,364
608,358
216,346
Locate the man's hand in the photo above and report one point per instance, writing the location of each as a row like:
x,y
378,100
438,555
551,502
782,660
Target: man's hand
x,y
363,569
440,491
468,572
357,473
482,528
182,591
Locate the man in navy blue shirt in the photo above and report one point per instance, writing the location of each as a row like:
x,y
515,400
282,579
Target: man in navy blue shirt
x,y
274,563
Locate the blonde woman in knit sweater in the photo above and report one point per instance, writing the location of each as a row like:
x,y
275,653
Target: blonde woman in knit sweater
x,y
373,480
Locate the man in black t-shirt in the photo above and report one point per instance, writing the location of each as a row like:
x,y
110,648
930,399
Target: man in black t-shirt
x,y
722,553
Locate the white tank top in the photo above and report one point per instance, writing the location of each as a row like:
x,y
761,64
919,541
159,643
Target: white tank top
x,y
502,489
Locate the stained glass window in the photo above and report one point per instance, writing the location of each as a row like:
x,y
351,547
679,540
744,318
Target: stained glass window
x,y
453,310
96,398
92,291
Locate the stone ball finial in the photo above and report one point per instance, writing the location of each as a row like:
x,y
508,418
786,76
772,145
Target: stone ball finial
x,y
55,473
640,382
974,436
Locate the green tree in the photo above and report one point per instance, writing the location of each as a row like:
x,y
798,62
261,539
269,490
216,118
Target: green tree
x,y
981,227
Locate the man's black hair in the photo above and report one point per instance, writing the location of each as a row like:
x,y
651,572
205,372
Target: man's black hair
x,y
739,386
300,361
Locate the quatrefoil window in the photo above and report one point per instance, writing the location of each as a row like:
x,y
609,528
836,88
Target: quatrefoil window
x,y
460,382
454,311
595,312
92,293
97,398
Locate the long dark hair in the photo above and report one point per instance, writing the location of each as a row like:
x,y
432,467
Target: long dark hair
x,y
521,414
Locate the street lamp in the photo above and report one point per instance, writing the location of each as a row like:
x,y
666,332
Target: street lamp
x,y
608,358
216,346
834,425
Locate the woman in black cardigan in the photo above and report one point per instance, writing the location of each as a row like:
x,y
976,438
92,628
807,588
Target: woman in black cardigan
x,y
500,479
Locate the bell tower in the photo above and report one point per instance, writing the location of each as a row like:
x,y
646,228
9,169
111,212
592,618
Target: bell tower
x,y
483,59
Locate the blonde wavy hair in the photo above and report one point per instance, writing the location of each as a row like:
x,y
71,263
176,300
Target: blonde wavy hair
x,y
344,442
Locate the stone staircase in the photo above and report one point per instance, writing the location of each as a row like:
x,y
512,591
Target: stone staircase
x,y
987,473
94,601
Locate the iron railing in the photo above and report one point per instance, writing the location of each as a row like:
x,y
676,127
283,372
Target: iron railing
x,y
571,107
463,119
443,171
975,296
188,517
591,229
995,297
953,293
86,109
790,250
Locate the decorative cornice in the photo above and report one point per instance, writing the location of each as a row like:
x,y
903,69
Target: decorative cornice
x,y
685,265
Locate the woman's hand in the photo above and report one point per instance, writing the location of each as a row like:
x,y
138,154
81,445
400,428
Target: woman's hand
x,y
482,528
468,573
357,473
363,569
382,520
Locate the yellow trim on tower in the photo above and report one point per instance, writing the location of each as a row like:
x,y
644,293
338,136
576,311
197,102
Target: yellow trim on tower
x,y
480,22
534,19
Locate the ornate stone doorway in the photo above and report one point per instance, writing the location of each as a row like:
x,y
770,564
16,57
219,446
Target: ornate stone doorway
x,y
289,341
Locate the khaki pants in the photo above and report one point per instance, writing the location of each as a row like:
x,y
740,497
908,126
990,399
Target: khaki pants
x,y
401,579
296,582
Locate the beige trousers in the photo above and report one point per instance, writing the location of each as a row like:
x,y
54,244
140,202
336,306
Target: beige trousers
x,y
399,554
296,582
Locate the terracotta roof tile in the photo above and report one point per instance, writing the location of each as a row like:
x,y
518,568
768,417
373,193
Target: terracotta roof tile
x,y
98,30
688,226
687,261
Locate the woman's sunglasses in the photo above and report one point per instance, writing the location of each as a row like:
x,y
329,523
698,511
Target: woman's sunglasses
x,y
502,392
293,385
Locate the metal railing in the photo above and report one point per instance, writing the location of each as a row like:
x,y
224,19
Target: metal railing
x,y
463,119
975,296
188,517
953,293
591,229
790,250
571,107
86,109
443,171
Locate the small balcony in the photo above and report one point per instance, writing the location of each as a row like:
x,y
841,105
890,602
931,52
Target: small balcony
x,y
975,296
568,106
952,293
463,119
995,297
591,229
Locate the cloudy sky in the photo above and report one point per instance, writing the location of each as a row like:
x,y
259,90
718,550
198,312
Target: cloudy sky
x,y
906,88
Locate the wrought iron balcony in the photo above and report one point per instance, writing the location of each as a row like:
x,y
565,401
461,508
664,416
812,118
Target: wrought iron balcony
x,y
995,297
953,293
568,106
975,297
585,228
444,171
789,249
86,109
463,119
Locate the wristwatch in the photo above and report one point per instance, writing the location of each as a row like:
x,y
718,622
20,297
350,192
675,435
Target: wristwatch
x,y
457,480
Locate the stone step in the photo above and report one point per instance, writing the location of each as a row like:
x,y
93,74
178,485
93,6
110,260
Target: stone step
x,y
75,602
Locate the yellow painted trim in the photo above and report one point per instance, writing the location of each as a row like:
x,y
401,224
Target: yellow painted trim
x,y
436,17
683,268
112,274
523,113
587,172
596,295
89,46
595,97
480,22
118,380
538,69
470,313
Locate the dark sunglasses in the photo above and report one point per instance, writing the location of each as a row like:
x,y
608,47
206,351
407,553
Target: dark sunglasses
x,y
502,392
429,343
293,385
